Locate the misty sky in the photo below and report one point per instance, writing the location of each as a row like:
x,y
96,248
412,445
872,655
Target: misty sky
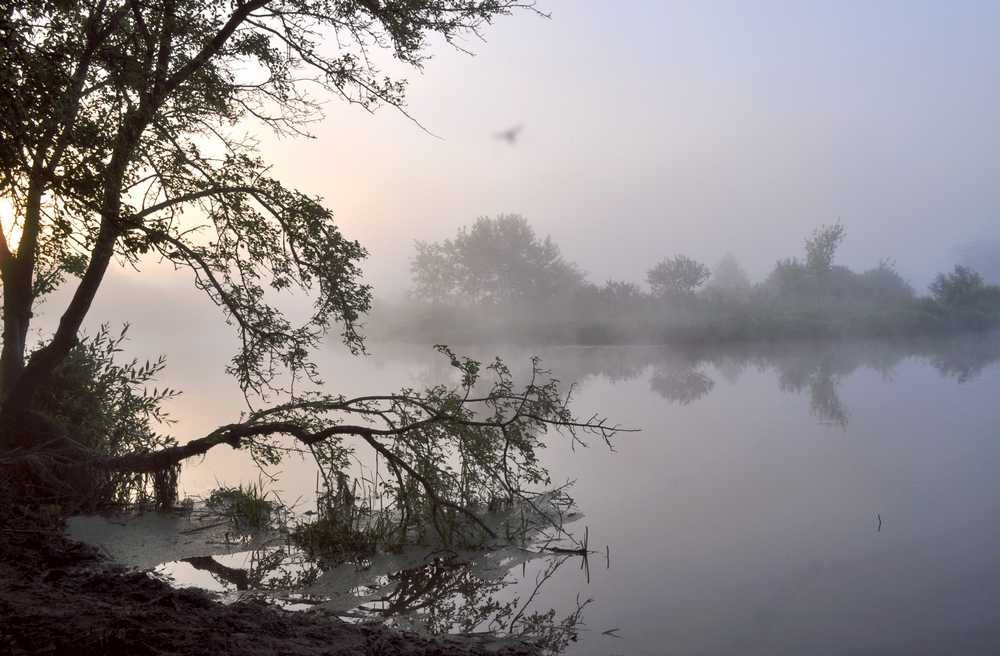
x,y
652,129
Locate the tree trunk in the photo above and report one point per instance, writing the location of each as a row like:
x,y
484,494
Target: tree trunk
x,y
21,392
17,274
44,361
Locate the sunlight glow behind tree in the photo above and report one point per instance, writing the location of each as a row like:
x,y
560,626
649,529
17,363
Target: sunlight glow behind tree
x,y
120,138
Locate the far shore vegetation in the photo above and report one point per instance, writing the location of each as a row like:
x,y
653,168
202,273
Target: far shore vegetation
x,y
498,281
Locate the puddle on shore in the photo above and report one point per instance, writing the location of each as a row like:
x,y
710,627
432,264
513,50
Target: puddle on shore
x,y
434,591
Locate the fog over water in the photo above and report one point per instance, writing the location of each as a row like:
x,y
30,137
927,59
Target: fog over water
x,y
645,130
833,498
652,129
656,128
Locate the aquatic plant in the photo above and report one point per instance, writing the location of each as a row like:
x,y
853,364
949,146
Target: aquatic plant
x,y
245,506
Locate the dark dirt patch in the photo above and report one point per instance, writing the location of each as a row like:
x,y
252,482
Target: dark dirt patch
x,y
60,597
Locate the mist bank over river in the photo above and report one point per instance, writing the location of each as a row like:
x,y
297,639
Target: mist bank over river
x,y
791,498
498,281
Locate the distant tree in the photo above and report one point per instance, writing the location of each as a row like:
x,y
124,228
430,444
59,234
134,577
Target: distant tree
x,y
816,278
432,273
884,286
787,277
822,247
956,288
728,278
496,261
679,276
620,294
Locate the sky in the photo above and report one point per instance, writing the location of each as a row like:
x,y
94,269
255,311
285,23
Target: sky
x,y
652,129
648,130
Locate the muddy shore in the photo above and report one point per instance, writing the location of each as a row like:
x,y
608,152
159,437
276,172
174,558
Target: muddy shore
x,y
60,597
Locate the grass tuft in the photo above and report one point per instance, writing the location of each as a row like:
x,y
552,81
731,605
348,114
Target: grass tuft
x,y
245,507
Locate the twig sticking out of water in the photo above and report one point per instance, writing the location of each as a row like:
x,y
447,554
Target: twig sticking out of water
x,y
879,522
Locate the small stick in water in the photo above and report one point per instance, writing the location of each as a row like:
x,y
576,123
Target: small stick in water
x,y
879,521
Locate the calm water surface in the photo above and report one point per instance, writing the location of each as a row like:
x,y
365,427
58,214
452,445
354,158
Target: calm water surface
x,y
797,500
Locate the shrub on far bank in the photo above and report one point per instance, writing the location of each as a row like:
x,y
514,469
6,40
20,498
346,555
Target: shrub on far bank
x,y
800,299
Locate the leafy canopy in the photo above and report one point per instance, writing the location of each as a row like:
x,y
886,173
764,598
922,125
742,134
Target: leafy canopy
x,y
494,262
120,139
679,276
821,248
956,287
120,136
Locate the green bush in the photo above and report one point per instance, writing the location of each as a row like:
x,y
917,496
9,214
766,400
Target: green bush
x,y
245,507
106,408
960,287
104,405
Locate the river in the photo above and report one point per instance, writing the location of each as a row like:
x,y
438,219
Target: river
x,y
801,499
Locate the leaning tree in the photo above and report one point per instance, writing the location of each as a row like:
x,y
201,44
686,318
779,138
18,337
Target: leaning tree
x,y
119,140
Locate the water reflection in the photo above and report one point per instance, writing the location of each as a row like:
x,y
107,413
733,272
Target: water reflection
x,y
448,593
965,360
680,384
268,569
446,596
734,534
815,369
817,376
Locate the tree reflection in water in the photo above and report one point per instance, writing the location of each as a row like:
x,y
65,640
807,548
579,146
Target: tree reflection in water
x,y
816,368
965,360
821,377
267,569
680,375
446,595
681,384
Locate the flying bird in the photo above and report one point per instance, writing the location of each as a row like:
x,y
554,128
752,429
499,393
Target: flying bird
x,y
511,135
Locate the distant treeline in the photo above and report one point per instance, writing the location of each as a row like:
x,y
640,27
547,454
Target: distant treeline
x,y
498,280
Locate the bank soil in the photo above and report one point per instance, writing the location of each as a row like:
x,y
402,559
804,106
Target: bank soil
x,y
61,597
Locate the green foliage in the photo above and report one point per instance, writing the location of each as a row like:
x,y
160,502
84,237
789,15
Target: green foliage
x,y
884,287
347,529
821,248
960,287
245,507
677,277
619,295
351,520
825,287
107,408
433,273
498,261
799,299
787,278
445,452
105,405
728,279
